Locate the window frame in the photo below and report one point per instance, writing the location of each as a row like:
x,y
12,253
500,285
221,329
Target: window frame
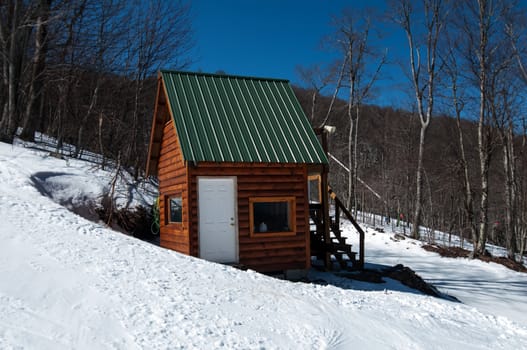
x,y
291,200
317,178
168,197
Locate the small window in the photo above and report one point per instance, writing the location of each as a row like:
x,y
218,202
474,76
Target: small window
x,y
175,209
315,194
272,215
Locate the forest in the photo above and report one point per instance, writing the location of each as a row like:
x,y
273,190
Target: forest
x,y
451,159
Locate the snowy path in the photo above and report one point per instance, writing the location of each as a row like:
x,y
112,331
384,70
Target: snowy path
x,y
69,283
489,287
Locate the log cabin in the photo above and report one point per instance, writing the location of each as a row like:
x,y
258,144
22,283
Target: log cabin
x,y
233,156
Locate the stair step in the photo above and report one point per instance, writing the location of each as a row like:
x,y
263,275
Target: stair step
x,y
337,234
352,256
336,247
342,262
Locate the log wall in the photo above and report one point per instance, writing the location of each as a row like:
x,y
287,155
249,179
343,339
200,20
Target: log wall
x,y
173,180
274,253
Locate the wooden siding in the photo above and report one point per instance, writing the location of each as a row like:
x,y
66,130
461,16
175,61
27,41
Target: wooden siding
x,y
274,253
161,115
172,174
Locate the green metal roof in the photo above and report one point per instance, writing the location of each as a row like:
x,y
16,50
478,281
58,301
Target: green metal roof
x,y
223,118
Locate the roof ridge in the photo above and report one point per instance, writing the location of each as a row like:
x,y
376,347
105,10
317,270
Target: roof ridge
x,y
234,76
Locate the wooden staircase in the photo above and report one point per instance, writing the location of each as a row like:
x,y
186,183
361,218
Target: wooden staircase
x,y
336,246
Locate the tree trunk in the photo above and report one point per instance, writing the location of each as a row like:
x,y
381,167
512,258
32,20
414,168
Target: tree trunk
x,y
484,204
84,120
335,93
101,147
133,156
522,207
355,150
469,199
8,127
483,140
313,105
5,70
510,192
18,42
39,59
467,193
350,202
419,183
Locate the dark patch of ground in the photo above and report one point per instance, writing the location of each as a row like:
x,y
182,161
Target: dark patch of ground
x,y
400,273
457,252
137,222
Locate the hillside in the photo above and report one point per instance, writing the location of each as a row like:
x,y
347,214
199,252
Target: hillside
x,y
387,148
66,282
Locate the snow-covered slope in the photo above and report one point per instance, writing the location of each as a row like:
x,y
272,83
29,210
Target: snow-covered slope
x,y
489,287
68,283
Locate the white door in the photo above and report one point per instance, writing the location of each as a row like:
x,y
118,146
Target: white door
x,y
218,239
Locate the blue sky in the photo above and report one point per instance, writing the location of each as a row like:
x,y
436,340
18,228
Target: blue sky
x,y
271,38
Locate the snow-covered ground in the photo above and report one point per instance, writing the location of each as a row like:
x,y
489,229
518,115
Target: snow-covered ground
x,y
488,287
68,283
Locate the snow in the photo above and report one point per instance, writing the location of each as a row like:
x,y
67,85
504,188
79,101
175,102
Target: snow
x,y
76,183
489,287
66,282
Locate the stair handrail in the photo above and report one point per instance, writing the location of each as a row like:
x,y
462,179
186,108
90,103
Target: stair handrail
x,y
359,229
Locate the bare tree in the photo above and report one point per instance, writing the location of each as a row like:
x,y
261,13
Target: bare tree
x,y
317,80
353,37
507,127
484,132
521,238
37,70
65,57
503,114
154,40
14,35
487,53
423,75
107,34
338,85
4,59
457,101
